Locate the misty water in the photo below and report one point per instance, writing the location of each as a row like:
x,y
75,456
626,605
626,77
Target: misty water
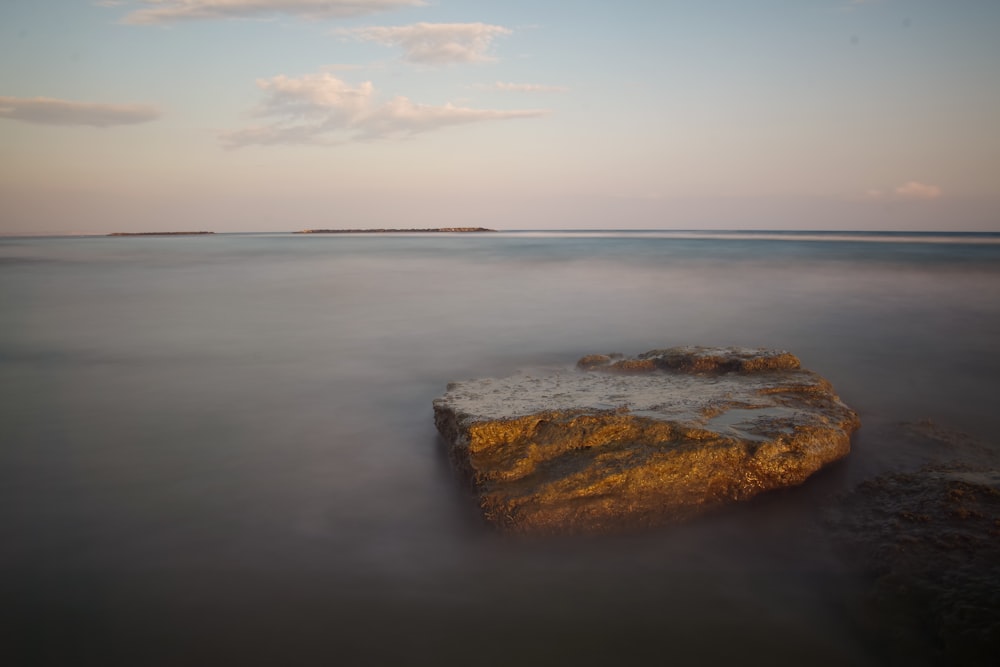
x,y
221,450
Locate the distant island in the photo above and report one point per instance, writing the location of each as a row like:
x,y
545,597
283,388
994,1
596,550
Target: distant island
x,y
159,233
395,231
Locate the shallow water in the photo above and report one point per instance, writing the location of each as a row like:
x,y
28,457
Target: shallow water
x,y
221,449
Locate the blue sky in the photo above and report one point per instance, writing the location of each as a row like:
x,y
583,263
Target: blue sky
x,y
270,115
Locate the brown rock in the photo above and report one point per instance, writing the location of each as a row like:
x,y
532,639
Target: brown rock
x,y
653,440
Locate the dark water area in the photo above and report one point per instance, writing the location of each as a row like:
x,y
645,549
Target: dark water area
x,y
221,450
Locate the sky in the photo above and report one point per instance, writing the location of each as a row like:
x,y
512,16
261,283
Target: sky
x,y
279,115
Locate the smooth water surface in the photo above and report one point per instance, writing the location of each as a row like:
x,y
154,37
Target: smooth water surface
x,y
220,450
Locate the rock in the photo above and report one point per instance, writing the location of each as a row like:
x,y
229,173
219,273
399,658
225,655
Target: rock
x,y
621,444
927,542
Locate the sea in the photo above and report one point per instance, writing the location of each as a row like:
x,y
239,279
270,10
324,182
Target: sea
x,y
220,449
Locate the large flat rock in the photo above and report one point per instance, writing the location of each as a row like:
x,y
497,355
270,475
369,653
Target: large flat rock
x,y
620,444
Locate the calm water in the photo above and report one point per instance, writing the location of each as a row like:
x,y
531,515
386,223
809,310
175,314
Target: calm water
x,y
220,450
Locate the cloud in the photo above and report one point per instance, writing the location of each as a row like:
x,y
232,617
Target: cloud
x,y
912,190
171,11
915,190
49,111
321,109
400,116
436,43
522,87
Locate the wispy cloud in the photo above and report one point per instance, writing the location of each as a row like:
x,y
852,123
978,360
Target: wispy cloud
x,y
521,87
321,109
172,11
436,43
907,191
49,111
915,190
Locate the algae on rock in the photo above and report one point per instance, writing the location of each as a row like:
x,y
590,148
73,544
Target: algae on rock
x,y
622,444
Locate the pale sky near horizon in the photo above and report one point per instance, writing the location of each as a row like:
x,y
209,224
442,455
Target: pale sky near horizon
x,y
278,115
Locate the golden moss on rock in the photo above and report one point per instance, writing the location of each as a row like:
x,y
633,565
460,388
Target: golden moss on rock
x,y
624,444
694,359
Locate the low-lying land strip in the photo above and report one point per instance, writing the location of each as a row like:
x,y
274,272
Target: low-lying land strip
x,y
159,233
395,231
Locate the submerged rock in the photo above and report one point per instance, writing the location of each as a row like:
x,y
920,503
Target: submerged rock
x,y
627,443
928,543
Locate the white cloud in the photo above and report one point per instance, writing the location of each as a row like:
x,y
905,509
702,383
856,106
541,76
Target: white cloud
x,y
49,111
436,43
915,190
322,96
522,87
170,11
324,110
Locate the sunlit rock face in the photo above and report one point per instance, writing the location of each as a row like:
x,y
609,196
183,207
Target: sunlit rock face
x,y
621,444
